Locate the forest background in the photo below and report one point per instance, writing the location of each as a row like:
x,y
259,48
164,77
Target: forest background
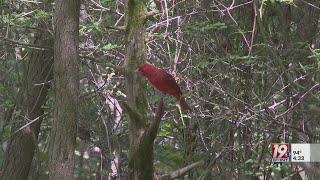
x,y
71,104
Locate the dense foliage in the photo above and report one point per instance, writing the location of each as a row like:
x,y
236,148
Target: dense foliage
x,y
249,70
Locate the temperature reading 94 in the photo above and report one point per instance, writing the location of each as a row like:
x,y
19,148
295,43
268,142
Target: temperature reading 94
x,y
300,153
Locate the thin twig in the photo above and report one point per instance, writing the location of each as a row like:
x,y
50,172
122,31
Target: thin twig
x,y
299,101
312,5
26,45
184,170
119,69
24,126
253,28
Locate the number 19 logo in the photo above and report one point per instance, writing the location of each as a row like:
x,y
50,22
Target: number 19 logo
x,y
280,152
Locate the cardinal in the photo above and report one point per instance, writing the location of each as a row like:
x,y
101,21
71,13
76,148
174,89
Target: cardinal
x,y
164,82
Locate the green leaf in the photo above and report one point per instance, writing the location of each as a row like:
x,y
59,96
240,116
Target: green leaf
x,y
108,47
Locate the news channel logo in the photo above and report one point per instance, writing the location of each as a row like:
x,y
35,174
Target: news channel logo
x,y
280,152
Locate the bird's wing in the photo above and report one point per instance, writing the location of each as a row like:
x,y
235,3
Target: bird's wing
x,y
171,82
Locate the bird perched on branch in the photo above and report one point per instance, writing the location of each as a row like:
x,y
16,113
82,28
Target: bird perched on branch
x,y
164,82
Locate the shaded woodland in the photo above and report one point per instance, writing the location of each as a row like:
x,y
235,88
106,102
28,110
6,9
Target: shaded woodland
x,y
73,106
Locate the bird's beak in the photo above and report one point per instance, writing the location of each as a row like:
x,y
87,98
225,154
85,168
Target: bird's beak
x,y
137,70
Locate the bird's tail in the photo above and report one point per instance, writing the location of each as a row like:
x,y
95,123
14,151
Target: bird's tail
x,y
184,105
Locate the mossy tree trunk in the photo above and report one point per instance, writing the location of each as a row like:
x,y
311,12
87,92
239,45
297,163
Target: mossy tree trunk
x,y
66,87
141,133
36,72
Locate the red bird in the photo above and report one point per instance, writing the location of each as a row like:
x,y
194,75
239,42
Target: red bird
x,y
164,82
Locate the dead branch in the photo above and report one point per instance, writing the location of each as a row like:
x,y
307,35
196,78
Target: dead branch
x,y
119,69
151,132
27,45
184,170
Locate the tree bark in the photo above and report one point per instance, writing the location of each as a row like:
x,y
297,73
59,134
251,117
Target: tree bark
x,y
66,86
141,134
36,72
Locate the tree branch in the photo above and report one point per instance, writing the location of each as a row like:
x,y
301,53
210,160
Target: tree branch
x,y
26,45
184,170
311,168
152,12
119,28
152,131
119,69
38,47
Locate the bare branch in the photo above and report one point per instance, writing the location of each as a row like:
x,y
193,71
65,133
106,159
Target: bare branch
x,y
311,168
153,12
26,45
299,101
184,170
119,69
151,132
103,8
312,5
120,28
